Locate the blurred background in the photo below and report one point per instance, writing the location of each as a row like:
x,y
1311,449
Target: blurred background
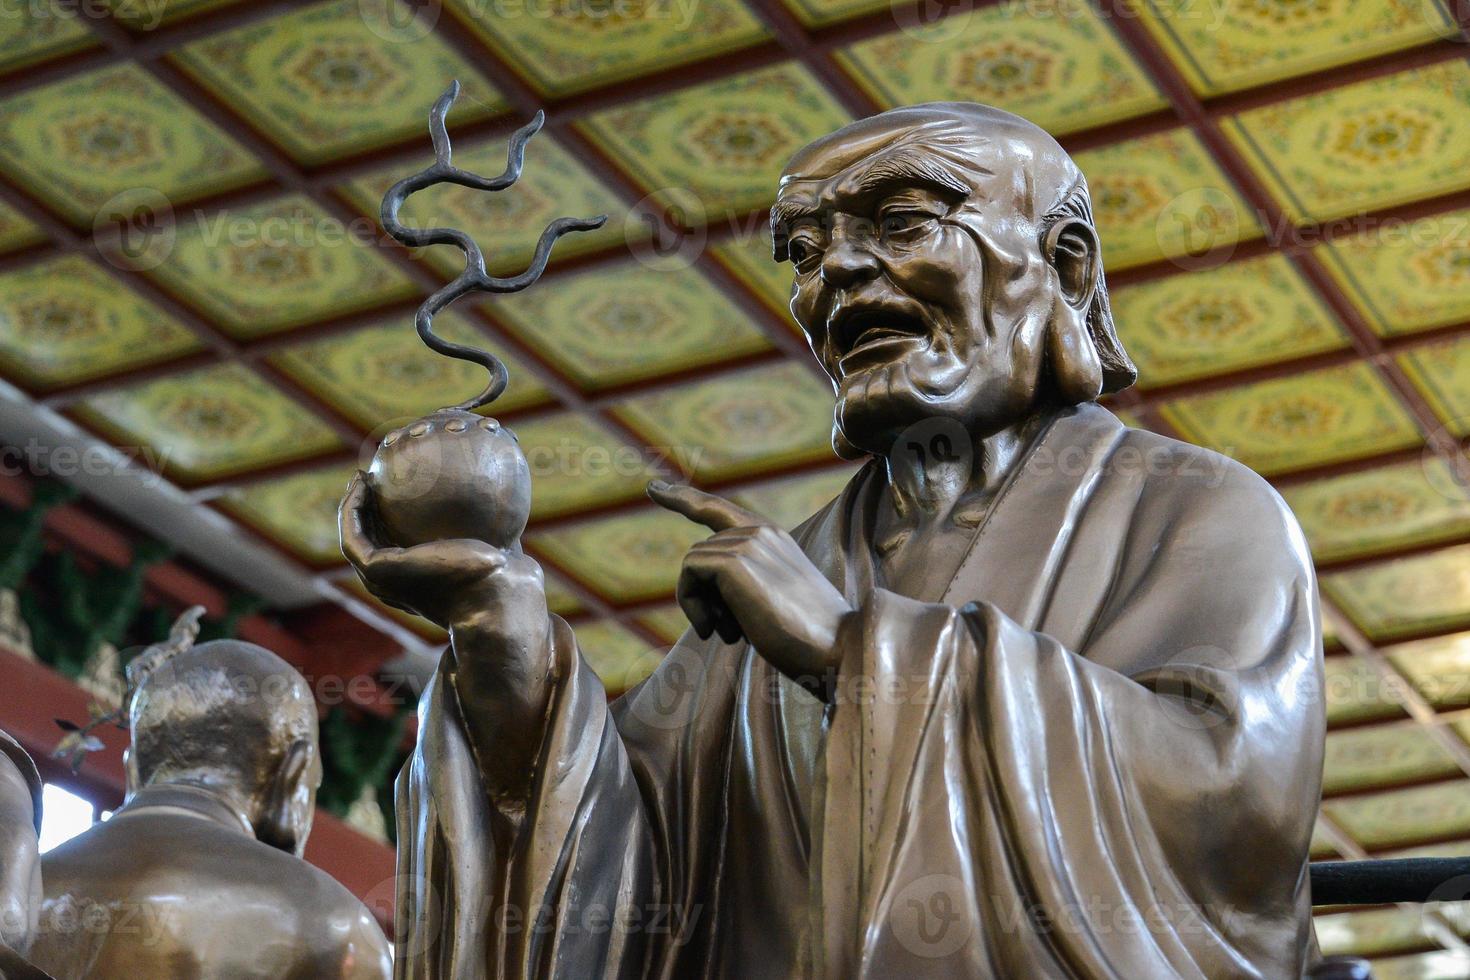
x,y
203,330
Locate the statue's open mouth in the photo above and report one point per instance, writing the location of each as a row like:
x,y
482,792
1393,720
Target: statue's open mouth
x,y
862,333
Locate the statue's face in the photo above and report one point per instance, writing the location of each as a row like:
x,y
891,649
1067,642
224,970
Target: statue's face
x,y
919,279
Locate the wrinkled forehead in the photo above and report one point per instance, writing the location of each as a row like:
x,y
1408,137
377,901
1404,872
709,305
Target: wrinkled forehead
x,y
975,152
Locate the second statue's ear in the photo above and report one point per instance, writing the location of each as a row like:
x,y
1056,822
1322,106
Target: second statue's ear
x,y
279,824
1072,248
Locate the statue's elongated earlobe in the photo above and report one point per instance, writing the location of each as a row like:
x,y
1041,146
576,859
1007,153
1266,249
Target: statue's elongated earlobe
x,y
1073,358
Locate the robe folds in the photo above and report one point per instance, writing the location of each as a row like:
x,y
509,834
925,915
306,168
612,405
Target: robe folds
x,y
1097,754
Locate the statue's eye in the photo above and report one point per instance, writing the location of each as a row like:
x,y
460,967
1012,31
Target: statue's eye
x,y
897,223
803,254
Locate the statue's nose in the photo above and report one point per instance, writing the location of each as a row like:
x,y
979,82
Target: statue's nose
x,y
846,265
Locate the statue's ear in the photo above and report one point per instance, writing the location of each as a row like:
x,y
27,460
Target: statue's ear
x,y
280,824
1071,247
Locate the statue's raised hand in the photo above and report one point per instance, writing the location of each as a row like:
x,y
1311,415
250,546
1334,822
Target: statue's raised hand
x,y
453,582
493,603
751,580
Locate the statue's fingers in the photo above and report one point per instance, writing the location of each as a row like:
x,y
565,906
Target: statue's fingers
x,y
700,581
692,599
714,512
357,545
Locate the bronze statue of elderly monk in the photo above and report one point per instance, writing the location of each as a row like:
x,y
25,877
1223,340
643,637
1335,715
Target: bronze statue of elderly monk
x,y
1038,695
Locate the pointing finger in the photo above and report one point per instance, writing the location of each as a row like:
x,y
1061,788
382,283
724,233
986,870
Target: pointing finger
x,y
714,512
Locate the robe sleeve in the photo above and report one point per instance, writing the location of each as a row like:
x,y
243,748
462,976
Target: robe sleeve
x,y
1139,806
555,885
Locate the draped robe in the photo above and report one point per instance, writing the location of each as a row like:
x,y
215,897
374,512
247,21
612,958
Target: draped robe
x,y
1096,754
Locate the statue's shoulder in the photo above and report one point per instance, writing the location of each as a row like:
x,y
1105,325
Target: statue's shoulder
x,y
1185,480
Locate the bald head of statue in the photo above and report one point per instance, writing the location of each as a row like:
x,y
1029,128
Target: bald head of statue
x,y
946,266
235,719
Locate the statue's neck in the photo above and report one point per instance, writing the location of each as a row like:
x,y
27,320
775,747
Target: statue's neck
x,y
192,800
926,485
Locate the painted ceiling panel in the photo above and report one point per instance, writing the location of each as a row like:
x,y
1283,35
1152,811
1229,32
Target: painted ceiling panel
x,y
1409,276
1383,509
620,657
507,224
298,512
630,322
1291,423
209,423
322,83
113,135
65,321
577,464
1405,816
1391,600
628,558
748,256
1362,758
817,13
1442,373
1439,668
1056,62
39,29
382,375
1221,47
568,47
739,423
15,230
1370,145
1240,315
721,145
269,267
1163,196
